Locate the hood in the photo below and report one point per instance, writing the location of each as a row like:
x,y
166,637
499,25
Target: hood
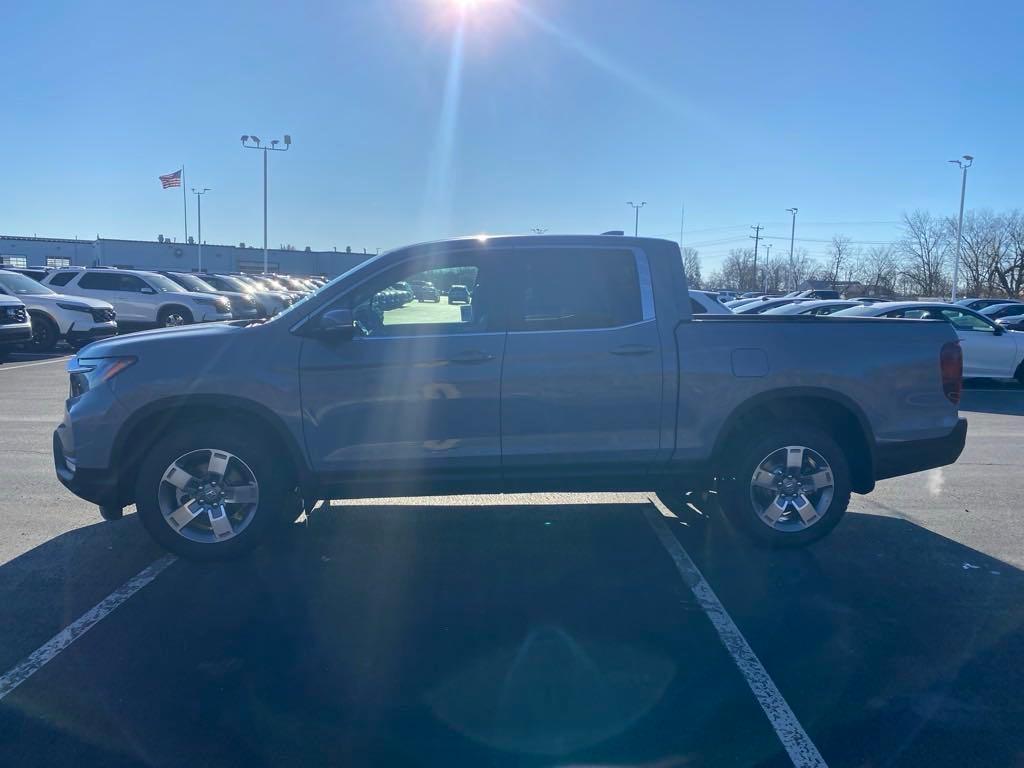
x,y
85,301
146,342
10,301
191,295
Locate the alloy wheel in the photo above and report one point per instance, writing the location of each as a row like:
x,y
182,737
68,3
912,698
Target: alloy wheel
x,y
792,488
208,495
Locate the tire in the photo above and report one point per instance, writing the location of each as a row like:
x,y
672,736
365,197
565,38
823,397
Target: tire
x,y
198,531
173,317
804,510
44,333
1019,375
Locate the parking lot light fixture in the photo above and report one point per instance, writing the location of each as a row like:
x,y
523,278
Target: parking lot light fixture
x,y
963,163
792,237
199,211
253,142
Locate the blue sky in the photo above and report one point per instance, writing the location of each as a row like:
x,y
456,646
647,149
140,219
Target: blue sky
x,y
562,111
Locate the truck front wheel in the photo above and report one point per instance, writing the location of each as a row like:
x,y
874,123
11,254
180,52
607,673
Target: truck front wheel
x,y
786,488
212,491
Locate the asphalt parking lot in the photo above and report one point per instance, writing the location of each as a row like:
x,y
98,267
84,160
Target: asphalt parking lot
x,y
548,630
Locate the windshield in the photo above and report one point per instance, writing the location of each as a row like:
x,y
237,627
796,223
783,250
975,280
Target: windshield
x,y
163,284
19,285
193,283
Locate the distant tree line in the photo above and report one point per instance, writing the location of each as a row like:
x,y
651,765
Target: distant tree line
x,y
919,263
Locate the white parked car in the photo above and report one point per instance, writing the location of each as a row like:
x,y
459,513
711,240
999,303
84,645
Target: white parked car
x,y
990,350
707,303
815,307
54,316
15,327
141,298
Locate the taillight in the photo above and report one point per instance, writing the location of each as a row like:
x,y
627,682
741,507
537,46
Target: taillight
x,y
951,363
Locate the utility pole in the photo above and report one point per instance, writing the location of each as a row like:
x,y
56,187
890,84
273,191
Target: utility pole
x,y
756,237
636,223
966,162
199,212
272,147
792,237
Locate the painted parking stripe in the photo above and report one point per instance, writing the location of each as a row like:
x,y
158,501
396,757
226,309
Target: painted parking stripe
x,y
49,651
794,738
16,366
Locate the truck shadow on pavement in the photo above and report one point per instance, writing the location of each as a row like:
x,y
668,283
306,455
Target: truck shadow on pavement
x,y
517,635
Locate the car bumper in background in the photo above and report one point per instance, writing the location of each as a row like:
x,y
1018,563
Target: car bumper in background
x,y
85,335
213,316
903,458
15,334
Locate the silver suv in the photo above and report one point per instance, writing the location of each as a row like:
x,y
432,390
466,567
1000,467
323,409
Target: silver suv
x,y
141,298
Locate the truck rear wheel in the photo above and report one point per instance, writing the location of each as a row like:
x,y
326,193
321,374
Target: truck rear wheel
x,y
212,491
787,488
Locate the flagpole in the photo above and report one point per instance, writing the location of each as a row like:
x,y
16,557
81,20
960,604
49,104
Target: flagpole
x,y
184,202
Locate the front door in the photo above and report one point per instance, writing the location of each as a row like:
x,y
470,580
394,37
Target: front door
x,y
411,403
987,352
582,381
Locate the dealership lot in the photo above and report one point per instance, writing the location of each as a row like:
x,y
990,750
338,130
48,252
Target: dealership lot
x,y
509,631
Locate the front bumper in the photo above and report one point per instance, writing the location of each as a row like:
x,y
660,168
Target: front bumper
x,y
85,335
903,458
95,485
11,335
212,315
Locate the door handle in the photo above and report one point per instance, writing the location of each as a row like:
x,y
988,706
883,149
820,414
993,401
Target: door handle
x,y
632,350
471,357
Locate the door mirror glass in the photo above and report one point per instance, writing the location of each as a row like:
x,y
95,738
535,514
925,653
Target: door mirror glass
x,y
336,324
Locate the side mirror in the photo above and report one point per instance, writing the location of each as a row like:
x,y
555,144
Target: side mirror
x,y
999,330
336,324
147,290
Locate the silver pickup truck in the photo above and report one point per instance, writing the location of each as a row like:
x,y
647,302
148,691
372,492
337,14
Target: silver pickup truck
x,y
576,365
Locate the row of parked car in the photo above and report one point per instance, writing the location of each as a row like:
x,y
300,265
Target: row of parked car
x,y
40,307
990,329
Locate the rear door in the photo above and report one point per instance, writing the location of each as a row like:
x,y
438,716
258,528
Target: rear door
x,y
581,386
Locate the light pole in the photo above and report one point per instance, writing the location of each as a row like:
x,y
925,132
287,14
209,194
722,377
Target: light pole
x,y
272,147
767,261
964,163
199,212
792,237
636,222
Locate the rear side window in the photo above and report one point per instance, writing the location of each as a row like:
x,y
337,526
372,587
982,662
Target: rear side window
x,y
695,307
62,278
111,281
574,289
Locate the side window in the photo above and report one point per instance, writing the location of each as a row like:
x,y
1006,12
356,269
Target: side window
x,y
100,281
574,289
913,314
695,306
964,321
62,278
396,303
131,284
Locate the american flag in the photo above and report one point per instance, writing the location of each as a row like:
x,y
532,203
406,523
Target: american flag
x,y
171,179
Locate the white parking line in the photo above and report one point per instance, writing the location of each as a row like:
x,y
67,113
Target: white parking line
x,y
15,366
795,741
47,652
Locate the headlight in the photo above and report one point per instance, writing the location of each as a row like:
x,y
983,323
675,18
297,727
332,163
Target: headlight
x,y
74,307
89,372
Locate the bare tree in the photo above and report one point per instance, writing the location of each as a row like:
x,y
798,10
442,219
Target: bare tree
x,y
737,270
984,243
841,256
1009,270
772,274
691,267
802,268
878,270
923,254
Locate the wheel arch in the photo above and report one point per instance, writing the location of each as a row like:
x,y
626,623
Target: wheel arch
x,y
144,427
175,305
831,410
